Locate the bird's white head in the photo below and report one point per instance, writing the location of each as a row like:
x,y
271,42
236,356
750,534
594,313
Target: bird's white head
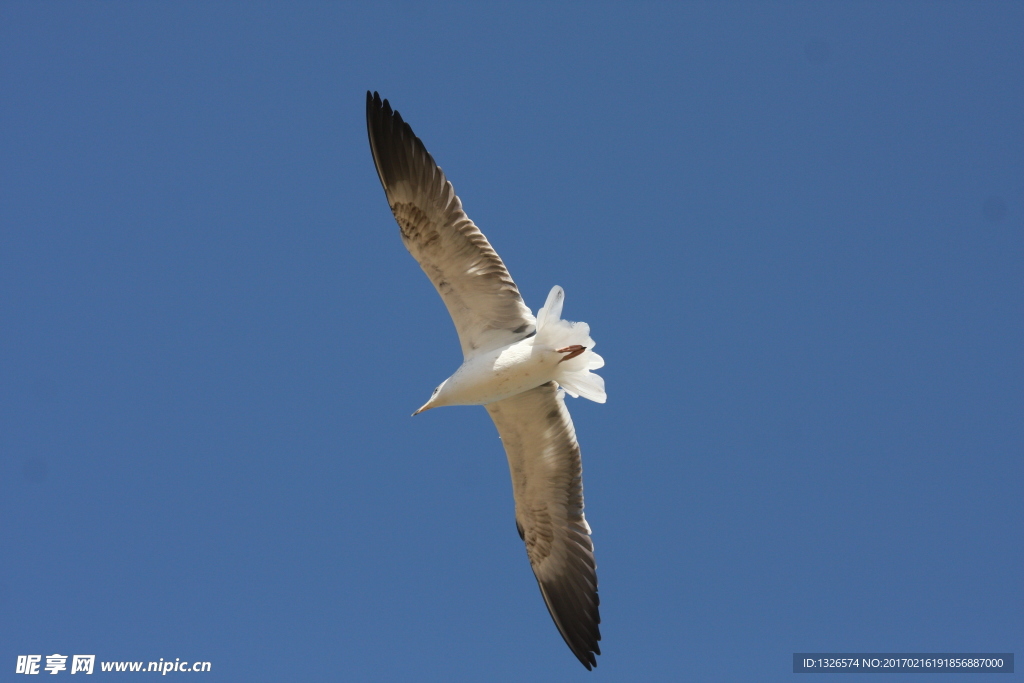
x,y
436,399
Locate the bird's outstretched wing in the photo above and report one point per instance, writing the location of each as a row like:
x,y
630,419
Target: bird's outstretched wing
x,y
547,482
481,297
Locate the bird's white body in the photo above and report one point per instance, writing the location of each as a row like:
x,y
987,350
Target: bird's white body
x,y
494,375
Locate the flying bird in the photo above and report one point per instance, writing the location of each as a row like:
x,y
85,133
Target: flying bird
x,y
517,366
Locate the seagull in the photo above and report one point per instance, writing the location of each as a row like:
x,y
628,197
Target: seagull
x,y
515,365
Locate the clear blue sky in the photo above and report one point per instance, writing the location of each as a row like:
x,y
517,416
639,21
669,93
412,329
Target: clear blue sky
x,y
795,230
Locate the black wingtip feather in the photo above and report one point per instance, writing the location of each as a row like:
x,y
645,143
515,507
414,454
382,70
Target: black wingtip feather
x,y
383,124
577,624
397,153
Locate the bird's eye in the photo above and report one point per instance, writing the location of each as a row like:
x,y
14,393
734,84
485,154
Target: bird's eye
x,y
437,390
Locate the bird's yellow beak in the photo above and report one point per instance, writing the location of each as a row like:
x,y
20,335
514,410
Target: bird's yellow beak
x,y
426,406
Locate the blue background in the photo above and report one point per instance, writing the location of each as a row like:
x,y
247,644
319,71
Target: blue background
x,y
796,232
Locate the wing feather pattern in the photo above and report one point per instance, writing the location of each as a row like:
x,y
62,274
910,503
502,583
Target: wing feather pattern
x,y
477,289
547,482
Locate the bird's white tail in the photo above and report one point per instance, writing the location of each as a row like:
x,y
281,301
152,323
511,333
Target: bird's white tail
x,y
574,374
